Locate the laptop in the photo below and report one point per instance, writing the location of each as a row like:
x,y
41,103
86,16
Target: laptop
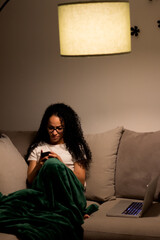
x,y
129,208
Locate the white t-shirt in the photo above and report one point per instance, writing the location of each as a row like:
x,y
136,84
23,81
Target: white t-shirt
x,y
59,149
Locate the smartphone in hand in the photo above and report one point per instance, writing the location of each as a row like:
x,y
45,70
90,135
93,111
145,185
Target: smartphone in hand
x,y
44,154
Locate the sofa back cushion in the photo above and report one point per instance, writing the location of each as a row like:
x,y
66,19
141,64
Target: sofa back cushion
x,y
138,161
101,176
13,168
21,139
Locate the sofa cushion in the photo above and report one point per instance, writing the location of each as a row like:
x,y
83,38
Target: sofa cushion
x,y
21,139
138,161
100,180
13,168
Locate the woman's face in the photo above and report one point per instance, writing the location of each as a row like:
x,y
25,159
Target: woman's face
x,y
55,130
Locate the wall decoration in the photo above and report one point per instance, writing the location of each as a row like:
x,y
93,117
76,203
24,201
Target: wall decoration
x,y
135,31
158,23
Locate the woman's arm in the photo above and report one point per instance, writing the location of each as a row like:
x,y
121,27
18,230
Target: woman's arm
x,y
34,168
80,172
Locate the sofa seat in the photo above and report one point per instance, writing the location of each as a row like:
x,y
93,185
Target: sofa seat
x,y
100,227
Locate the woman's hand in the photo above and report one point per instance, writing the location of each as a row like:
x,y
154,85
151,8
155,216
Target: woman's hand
x,y
54,155
50,155
41,161
35,166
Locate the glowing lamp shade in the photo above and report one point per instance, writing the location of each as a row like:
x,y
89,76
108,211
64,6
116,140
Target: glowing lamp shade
x,y
94,28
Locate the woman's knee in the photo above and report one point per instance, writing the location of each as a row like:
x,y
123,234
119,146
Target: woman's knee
x,y
54,164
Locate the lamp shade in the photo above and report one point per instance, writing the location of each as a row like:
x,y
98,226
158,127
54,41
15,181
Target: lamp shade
x,y
94,28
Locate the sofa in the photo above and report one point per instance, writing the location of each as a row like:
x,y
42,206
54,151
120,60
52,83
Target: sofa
x,y
123,163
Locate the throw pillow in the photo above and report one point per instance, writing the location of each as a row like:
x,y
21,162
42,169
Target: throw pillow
x,y
13,168
138,161
100,185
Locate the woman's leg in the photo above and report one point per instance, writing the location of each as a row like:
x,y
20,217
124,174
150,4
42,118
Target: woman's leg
x,y
61,187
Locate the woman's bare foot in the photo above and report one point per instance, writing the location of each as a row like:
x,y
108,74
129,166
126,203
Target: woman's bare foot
x,y
86,216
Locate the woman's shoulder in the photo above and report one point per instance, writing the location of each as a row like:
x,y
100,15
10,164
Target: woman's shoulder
x,y
39,146
50,147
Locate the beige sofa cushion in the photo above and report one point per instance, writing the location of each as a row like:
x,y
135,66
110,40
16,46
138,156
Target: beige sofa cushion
x,y
100,181
13,168
138,162
21,139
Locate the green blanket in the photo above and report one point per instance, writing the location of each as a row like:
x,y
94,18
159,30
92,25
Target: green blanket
x,y
52,209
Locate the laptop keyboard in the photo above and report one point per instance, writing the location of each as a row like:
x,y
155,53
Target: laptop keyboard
x,y
134,208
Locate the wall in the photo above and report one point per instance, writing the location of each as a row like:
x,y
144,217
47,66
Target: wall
x,y
106,91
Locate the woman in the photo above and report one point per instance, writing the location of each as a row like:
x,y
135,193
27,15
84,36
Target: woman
x,y
54,205
60,134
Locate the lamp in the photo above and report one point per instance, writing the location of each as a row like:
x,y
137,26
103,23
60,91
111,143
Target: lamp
x,y
94,28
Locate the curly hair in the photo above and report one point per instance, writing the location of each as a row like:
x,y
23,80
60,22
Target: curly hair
x,y
73,134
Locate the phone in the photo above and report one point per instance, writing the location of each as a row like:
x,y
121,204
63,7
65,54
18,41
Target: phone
x,y
44,154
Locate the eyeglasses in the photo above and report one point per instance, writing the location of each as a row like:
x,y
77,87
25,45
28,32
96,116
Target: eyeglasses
x,y
58,129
